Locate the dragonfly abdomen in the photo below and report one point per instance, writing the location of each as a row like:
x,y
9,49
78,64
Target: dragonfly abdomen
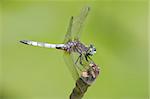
x,y
42,44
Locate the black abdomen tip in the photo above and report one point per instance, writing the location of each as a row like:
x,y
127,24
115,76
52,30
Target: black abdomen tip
x,y
24,41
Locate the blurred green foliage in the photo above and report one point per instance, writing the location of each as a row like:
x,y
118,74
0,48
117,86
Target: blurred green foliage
x,y
117,28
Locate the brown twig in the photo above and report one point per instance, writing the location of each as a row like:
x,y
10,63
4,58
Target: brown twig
x,y
86,79
79,90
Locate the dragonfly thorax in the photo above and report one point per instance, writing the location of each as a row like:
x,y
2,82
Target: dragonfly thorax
x,y
76,46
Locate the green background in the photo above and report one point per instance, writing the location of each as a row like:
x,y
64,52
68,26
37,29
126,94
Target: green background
x,y
117,28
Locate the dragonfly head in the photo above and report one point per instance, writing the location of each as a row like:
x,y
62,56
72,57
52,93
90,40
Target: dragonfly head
x,y
92,50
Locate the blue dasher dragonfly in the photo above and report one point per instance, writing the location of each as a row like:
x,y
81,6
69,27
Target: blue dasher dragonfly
x,y
76,54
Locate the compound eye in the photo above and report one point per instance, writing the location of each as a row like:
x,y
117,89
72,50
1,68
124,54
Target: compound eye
x,y
94,49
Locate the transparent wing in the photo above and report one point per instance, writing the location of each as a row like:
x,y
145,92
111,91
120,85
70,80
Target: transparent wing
x,y
75,68
68,36
71,66
76,24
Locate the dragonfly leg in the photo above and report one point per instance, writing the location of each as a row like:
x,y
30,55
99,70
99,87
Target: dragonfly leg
x,y
87,57
78,58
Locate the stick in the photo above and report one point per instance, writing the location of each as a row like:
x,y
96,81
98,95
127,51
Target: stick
x,y
79,90
86,79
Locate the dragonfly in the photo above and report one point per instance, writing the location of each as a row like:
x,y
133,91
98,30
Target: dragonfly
x,y
76,54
